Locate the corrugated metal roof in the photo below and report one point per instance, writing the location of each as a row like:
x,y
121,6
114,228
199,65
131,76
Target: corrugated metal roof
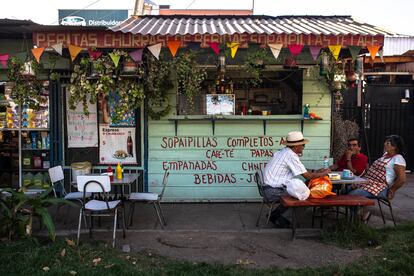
x,y
229,25
394,46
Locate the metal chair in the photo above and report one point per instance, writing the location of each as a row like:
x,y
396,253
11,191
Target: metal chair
x,y
57,178
98,208
258,177
153,198
386,202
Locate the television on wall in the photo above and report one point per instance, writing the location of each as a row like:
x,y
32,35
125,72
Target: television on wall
x,y
220,104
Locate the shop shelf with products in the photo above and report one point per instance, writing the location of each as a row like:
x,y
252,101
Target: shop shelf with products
x,y
25,133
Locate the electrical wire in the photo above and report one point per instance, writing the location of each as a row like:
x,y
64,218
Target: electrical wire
x,y
192,2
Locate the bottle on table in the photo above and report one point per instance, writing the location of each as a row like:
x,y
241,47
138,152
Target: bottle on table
x,y
325,162
110,173
119,171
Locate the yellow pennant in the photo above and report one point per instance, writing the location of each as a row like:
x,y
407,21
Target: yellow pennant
x,y
373,50
335,50
74,51
115,58
234,46
37,53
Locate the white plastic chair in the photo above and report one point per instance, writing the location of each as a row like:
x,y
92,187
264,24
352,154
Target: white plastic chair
x,y
153,198
98,208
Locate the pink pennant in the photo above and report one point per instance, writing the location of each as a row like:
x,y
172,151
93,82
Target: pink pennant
x,y
314,50
136,55
94,54
3,59
295,49
215,47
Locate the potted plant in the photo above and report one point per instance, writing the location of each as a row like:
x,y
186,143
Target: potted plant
x,y
189,76
25,88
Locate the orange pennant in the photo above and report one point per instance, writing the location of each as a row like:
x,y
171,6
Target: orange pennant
x,y
173,45
37,53
74,51
373,50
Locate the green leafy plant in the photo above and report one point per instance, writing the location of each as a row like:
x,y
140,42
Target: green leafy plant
x,y
157,83
25,88
255,63
334,72
18,210
189,76
131,96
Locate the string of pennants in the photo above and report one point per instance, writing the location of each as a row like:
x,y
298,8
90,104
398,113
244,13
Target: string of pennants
x,y
173,45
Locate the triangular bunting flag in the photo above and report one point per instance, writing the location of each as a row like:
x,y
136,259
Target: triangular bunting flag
x,y
37,53
234,46
94,54
3,59
193,45
373,50
335,50
173,45
215,47
74,51
314,50
354,50
155,50
115,58
381,54
295,49
275,48
58,48
136,55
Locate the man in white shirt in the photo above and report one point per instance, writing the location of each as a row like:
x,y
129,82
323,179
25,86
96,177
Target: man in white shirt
x,y
282,169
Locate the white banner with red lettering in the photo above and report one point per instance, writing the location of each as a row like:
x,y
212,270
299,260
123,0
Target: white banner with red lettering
x,y
117,144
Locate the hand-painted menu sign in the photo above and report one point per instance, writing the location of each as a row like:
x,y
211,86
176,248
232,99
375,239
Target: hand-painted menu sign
x,y
208,169
82,129
102,39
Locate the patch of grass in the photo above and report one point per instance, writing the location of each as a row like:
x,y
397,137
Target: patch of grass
x,y
352,235
394,248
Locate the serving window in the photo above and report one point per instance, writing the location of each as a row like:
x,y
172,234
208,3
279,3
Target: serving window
x,y
233,93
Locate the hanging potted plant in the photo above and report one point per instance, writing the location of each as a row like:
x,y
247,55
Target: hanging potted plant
x,y
157,83
25,89
254,64
189,76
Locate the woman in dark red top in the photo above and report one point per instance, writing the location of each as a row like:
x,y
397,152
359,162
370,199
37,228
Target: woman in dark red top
x,y
352,159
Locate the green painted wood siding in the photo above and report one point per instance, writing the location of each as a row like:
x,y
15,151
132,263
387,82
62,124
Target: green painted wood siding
x,y
220,167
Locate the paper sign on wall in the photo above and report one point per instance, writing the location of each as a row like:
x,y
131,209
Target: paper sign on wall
x,y
117,144
82,130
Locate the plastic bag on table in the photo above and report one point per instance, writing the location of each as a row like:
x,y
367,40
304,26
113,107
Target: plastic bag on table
x,y
320,187
298,189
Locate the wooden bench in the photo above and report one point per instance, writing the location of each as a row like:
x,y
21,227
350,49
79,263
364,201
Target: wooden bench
x,y
329,201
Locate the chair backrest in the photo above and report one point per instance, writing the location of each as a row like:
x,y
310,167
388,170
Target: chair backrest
x,y
56,174
258,177
57,177
93,183
164,183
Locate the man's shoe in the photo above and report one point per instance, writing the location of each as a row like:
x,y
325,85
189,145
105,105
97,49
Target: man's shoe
x,y
284,222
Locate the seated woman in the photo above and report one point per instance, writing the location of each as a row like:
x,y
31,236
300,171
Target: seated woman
x,y
387,174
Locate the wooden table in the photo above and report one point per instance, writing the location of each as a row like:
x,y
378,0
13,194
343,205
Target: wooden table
x,y
329,201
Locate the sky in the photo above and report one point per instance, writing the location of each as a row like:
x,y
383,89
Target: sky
x,y
395,16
